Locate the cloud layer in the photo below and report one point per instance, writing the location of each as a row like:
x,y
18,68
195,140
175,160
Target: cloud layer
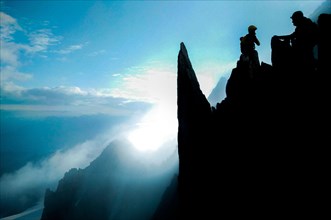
x,y
66,100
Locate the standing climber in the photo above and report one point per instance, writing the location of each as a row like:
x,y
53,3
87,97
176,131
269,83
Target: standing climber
x,y
247,47
302,40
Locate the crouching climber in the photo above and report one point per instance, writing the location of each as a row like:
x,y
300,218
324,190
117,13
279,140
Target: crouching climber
x,y
301,42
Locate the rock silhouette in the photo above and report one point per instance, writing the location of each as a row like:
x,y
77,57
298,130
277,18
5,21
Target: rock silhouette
x,y
262,151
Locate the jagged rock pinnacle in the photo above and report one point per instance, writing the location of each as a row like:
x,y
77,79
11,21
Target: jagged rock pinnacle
x,y
185,67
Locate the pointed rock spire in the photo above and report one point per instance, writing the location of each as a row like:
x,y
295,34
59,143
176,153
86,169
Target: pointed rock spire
x,y
190,97
185,68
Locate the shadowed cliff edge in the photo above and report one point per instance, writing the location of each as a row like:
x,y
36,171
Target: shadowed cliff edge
x,y
262,150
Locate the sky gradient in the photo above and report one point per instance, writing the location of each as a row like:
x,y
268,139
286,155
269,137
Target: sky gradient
x,y
119,58
94,51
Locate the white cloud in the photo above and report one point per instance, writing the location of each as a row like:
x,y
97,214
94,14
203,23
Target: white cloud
x,y
70,49
64,100
8,26
9,53
70,90
96,53
153,84
11,73
12,51
8,49
57,100
10,87
41,111
41,39
157,83
51,169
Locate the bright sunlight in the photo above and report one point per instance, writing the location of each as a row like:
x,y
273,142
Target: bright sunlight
x,y
156,127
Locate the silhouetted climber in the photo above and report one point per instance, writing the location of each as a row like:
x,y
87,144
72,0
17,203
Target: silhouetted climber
x,y
247,47
302,40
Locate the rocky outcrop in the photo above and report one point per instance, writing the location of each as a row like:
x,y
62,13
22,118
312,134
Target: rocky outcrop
x,y
261,151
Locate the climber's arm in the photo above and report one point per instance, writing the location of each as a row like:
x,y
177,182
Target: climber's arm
x,y
257,41
286,37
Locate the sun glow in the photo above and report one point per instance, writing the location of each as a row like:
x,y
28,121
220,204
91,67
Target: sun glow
x,y
156,128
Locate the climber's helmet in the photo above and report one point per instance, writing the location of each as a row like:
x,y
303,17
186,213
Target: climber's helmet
x,y
251,28
297,15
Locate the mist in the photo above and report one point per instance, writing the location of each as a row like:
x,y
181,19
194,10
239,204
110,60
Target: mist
x,y
25,187
123,183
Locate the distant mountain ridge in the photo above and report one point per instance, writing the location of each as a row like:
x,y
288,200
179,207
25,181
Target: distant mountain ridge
x,y
218,93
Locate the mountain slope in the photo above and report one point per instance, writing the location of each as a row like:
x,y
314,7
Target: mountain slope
x,y
218,93
116,185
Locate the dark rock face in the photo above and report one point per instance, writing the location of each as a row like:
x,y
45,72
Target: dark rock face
x,y
261,151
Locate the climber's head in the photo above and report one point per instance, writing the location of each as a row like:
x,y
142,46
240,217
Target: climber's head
x,y
251,29
297,17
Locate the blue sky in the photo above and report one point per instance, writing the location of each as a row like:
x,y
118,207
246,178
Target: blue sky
x,y
119,58
106,49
